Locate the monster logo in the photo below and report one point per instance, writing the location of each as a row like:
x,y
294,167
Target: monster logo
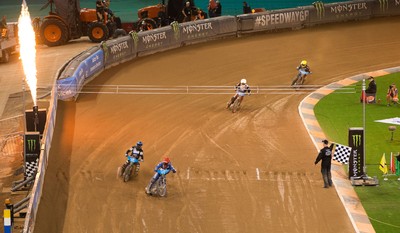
x,y
175,27
384,5
31,145
356,140
105,49
135,38
319,6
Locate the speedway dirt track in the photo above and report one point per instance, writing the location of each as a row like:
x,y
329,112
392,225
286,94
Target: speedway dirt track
x,y
215,152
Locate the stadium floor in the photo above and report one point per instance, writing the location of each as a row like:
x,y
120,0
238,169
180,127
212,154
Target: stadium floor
x,y
251,171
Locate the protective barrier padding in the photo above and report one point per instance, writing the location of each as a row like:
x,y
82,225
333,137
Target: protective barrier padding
x,y
118,51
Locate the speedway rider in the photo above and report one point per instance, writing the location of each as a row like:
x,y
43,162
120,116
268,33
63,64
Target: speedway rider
x,y
241,89
304,67
136,152
165,165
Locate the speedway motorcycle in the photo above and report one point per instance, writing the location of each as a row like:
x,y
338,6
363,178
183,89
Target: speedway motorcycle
x,y
130,170
300,77
159,188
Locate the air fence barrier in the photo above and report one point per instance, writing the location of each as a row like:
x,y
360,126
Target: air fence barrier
x,y
90,63
79,71
119,50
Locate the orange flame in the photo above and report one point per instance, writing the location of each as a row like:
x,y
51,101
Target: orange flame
x,y
27,45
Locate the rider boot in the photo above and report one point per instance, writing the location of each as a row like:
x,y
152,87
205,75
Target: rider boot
x,y
148,188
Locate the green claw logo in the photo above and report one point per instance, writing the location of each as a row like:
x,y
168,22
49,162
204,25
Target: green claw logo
x,y
135,38
105,49
384,5
31,144
175,27
356,140
319,6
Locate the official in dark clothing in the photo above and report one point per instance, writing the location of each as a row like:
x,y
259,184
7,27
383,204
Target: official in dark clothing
x,y
325,154
371,86
218,9
246,8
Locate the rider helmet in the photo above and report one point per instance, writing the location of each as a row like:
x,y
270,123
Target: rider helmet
x,y
139,143
303,63
166,160
243,81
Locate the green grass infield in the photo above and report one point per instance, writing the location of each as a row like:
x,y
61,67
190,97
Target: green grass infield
x,y
338,112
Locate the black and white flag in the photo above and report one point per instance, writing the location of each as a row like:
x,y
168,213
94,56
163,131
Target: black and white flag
x,y
341,153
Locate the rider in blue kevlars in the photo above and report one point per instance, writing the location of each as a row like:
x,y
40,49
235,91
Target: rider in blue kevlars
x,y
136,152
241,89
166,165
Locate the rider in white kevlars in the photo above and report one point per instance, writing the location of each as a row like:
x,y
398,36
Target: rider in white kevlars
x,y
241,89
166,165
136,152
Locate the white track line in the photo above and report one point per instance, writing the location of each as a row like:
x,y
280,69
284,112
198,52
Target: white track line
x,y
258,174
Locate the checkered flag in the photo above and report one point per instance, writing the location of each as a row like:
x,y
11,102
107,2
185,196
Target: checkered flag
x,y
341,153
31,168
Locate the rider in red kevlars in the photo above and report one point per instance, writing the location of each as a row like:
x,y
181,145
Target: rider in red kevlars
x,y
241,89
166,165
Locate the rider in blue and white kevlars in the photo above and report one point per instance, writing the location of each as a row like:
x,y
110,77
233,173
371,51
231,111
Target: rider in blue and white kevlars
x,y
136,152
166,165
241,89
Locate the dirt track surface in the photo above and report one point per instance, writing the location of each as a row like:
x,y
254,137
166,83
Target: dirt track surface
x,y
216,153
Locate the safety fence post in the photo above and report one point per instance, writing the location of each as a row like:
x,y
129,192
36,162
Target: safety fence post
x,y
7,221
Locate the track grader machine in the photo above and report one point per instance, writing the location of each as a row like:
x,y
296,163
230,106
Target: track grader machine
x,y
67,21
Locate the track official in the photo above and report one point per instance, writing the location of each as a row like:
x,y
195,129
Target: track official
x,y
325,154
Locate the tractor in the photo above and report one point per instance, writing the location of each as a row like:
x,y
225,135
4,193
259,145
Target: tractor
x,y
67,21
161,14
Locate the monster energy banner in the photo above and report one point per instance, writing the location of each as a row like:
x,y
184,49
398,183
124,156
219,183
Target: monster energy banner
x,y
118,50
341,11
356,142
31,152
157,40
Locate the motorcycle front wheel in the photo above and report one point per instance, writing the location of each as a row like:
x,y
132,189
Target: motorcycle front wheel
x,y
127,173
235,105
162,188
294,82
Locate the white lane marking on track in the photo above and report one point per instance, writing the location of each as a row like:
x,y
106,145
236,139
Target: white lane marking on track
x,y
144,225
188,173
258,174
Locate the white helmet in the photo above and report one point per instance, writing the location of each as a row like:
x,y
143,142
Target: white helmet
x,y
244,81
